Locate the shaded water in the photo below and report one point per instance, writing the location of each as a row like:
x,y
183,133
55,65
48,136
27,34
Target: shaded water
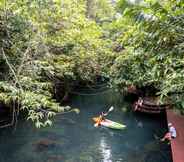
x,y
73,138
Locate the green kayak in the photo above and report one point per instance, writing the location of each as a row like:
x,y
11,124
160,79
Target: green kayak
x,y
110,124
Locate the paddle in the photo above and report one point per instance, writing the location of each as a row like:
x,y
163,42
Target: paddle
x,y
110,109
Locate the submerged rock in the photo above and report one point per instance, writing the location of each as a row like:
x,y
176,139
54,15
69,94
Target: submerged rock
x,y
43,144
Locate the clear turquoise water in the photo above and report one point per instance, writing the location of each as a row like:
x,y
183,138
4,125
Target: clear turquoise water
x,y
73,138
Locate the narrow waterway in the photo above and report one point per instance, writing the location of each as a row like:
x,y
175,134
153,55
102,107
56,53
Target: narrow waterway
x,y
73,138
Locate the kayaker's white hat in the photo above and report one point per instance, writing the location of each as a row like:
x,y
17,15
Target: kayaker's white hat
x,y
169,124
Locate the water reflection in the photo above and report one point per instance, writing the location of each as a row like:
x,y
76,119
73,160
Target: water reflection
x,y
105,150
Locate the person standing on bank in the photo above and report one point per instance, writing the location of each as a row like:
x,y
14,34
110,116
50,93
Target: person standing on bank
x,y
171,134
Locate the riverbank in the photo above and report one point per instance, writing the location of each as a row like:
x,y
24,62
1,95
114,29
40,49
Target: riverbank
x,y
177,144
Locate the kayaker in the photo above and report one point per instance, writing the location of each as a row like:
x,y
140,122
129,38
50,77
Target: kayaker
x,y
103,114
101,118
171,134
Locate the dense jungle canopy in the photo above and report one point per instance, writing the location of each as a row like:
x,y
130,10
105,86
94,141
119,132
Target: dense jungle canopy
x,y
46,45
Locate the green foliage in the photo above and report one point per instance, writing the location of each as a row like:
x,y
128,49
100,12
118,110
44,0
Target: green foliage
x,y
154,48
44,42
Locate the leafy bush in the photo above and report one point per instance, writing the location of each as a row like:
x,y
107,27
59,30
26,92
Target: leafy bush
x,y
154,48
47,41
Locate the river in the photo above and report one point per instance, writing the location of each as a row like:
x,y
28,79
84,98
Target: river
x,y
73,138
